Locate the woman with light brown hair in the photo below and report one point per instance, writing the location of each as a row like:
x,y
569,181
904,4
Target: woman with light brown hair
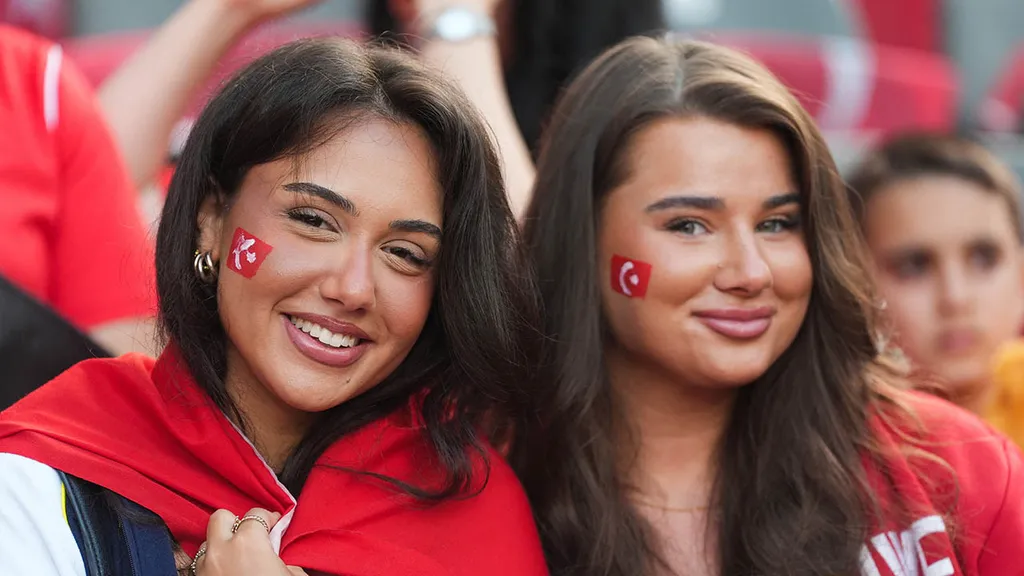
x,y
941,216
715,399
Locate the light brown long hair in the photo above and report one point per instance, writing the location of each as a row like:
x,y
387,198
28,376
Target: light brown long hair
x,y
790,494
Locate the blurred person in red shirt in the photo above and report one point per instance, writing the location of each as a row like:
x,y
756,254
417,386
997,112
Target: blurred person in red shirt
x,y
71,234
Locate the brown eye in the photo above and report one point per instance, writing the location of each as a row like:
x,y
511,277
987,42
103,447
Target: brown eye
x,y
310,218
984,256
910,265
408,255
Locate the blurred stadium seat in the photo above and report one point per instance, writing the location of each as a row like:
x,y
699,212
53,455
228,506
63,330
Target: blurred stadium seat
x,y
854,84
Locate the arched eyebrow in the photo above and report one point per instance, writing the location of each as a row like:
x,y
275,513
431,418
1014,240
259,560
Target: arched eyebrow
x,y
714,203
325,194
420,226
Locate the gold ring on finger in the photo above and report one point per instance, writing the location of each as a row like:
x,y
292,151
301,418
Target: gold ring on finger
x,y
195,561
250,517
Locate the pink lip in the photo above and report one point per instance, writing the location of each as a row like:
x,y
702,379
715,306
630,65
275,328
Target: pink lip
x,y
958,340
335,326
318,351
738,323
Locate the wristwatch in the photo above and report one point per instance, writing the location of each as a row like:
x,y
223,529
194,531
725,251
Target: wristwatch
x,y
459,24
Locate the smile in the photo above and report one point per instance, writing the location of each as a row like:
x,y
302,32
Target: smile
x,y
341,345
324,335
737,323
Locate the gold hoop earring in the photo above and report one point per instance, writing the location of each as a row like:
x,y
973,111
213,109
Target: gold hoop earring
x,y
205,270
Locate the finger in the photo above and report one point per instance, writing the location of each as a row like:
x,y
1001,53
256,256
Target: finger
x,y
296,571
254,527
219,528
197,566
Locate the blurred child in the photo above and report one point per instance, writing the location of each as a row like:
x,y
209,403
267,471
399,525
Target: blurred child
x,y
941,216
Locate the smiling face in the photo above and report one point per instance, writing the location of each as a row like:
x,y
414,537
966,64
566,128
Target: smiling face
x,y
949,266
340,282
713,209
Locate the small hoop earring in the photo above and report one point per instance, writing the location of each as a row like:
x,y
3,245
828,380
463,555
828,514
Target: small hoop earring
x,y
205,270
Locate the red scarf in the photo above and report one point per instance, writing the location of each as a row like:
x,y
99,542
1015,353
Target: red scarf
x,y
146,431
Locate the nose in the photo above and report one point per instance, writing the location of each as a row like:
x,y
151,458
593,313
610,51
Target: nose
x,y
350,280
954,290
743,269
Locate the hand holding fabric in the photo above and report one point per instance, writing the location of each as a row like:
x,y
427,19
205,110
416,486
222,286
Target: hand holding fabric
x,y
242,547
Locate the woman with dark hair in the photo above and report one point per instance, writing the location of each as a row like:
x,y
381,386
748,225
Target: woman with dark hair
x,y
714,401
513,57
333,365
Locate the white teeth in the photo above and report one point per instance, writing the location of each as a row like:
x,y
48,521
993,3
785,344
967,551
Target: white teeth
x,y
324,335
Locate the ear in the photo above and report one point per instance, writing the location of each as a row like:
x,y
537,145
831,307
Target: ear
x,y
210,222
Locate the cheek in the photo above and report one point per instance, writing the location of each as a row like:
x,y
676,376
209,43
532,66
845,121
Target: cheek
x,y
792,275
404,304
1001,298
910,311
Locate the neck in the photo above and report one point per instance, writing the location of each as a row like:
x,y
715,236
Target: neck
x,y
674,430
273,427
976,397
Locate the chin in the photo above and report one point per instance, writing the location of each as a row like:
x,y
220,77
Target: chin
x,y
311,393
965,377
734,378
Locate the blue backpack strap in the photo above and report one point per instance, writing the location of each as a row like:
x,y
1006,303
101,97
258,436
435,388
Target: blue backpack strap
x,y
150,550
116,536
91,523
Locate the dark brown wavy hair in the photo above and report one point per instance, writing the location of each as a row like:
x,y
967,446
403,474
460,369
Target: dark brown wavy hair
x,y
470,364
788,499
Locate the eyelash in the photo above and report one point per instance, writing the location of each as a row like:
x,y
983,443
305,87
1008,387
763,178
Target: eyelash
x,y
787,223
312,219
408,256
308,217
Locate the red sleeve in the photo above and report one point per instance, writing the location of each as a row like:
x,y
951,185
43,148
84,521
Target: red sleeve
x,y
102,255
1002,553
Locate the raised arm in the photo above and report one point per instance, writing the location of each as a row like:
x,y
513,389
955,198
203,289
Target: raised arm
x,y
476,64
147,95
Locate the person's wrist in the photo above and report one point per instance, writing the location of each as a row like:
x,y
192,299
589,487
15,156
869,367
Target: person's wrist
x,y
232,16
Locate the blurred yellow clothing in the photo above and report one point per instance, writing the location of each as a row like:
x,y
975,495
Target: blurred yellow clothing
x,y
1006,410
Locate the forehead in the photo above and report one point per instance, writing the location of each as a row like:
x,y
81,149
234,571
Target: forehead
x,y
372,162
935,211
707,157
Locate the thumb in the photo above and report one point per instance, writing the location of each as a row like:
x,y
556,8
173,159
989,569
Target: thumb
x,y
295,571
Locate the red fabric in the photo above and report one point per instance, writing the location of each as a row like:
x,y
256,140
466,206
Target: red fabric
x,y
145,430
70,228
984,501
913,24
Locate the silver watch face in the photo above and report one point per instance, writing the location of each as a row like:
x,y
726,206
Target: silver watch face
x,y
458,24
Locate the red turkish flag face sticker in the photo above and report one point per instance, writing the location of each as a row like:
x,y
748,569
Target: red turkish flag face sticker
x,y
630,277
247,253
